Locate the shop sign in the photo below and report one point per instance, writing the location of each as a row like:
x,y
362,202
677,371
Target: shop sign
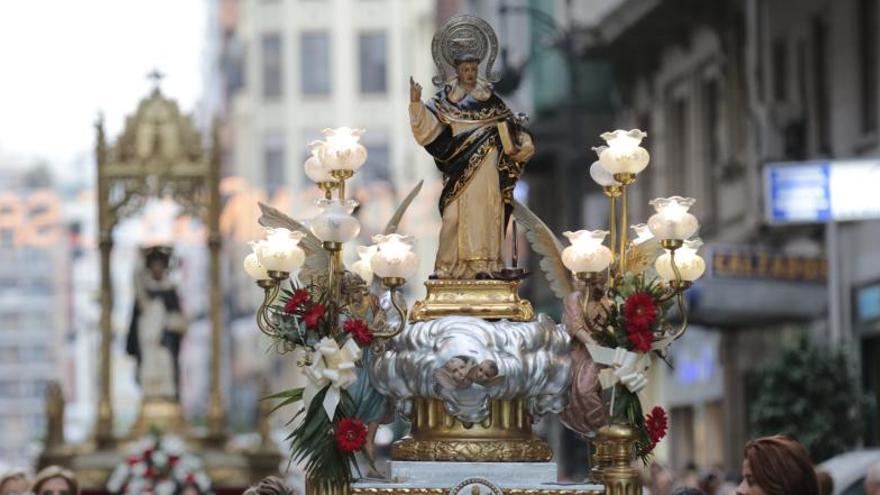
x,y
749,263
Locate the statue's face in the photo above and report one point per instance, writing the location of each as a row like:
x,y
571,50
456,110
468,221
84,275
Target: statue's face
x,y
467,72
14,486
157,268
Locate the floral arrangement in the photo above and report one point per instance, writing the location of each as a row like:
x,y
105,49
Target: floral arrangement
x,y
329,435
637,321
161,466
634,284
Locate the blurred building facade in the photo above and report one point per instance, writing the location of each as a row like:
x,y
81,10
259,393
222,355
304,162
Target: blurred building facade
x,y
35,301
723,89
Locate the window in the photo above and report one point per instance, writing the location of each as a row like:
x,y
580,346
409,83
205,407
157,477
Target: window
x,y
780,70
273,82
867,53
377,166
273,161
712,109
315,63
373,63
820,80
678,143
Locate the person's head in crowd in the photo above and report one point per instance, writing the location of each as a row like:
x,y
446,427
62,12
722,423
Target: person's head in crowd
x,y
55,480
777,465
661,480
687,490
14,482
872,480
272,485
709,482
826,484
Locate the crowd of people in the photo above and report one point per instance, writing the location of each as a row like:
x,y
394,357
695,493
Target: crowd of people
x,y
774,465
55,480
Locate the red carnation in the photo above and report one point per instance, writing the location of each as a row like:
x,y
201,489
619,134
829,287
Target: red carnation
x,y
639,312
351,434
641,341
297,299
656,422
359,331
313,316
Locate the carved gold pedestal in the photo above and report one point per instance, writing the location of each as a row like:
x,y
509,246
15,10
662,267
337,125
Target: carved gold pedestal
x,y
505,436
490,299
327,487
164,414
619,477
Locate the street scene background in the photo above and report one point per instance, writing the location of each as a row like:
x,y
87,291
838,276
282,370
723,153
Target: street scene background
x,y
767,111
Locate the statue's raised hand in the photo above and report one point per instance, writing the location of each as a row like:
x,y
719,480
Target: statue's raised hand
x,y
415,90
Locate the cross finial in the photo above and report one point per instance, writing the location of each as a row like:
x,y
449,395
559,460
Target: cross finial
x,y
156,76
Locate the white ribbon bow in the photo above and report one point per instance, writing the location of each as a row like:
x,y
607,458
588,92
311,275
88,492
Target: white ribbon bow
x,y
331,365
624,366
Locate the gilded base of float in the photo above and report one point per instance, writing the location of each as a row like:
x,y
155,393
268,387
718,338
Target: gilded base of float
x,y
405,490
505,436
164,415
489,299
467,478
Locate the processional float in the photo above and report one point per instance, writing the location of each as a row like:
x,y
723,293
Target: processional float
x,y
471,366
159,154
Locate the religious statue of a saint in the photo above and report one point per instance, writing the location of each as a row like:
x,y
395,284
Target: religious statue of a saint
x,y
479,146
157,326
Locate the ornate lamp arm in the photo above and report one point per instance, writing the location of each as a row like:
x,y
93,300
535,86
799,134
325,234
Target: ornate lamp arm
x,y
678,286
271,288
388,331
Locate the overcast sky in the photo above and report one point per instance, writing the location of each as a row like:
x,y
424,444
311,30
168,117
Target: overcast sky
x,y
61,61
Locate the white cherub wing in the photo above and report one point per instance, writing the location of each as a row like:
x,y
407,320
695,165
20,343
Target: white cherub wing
x,y
317,260
641,258
545,243
394,223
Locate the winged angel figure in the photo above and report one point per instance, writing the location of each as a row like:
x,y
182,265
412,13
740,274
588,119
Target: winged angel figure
x,y
586,411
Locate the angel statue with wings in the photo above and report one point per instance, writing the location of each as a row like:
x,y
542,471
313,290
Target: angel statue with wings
x,y
479,146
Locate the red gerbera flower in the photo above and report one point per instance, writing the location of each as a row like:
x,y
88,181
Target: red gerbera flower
x,y
639,312
297,299
656,422
641,341
351,435
313,316
359,331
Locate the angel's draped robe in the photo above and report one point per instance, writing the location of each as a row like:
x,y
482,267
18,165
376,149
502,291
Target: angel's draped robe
x,y
458,128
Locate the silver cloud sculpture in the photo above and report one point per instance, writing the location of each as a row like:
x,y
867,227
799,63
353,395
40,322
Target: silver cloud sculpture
x,y
532,361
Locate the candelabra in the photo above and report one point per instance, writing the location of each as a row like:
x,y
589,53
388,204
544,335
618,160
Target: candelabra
x,y
274,259
628,321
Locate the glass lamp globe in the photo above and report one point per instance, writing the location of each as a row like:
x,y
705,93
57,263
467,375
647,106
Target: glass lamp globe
x,y
690,265
624,155
672,220
586,253
315,170
602,176
280,251
253,267
341,150
335,223
643,234
394,257
362,266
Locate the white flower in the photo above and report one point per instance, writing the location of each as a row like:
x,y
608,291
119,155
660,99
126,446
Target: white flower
x,y
139,469
331,365
165,488
160,459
